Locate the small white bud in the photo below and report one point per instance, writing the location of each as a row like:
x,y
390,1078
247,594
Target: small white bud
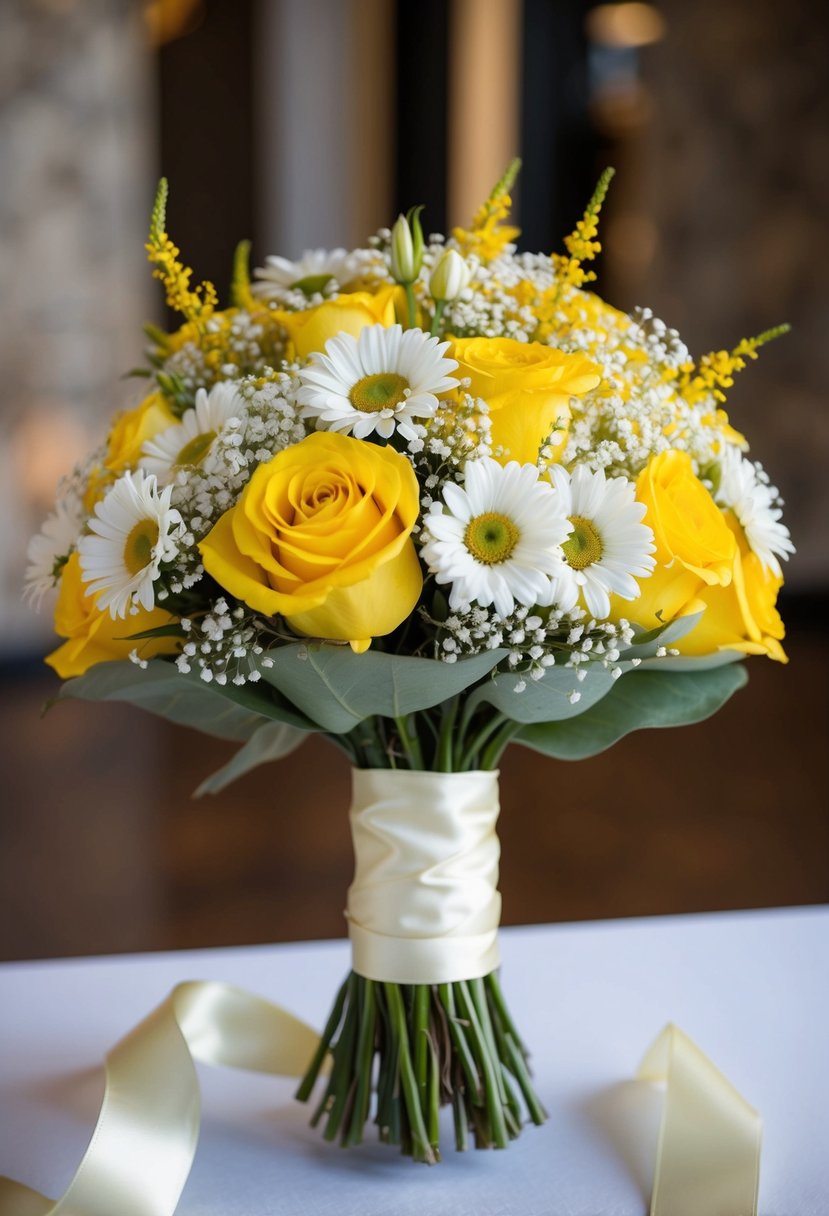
x,y
450,277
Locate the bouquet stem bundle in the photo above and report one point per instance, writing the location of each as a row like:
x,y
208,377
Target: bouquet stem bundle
x,y
434,1044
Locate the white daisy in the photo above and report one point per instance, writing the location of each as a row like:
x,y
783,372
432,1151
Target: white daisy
x,y
497,540
745,491
134,530
190,441
609,547
48,551
379,381
318,270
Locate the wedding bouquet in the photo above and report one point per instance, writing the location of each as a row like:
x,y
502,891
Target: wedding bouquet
x,y
426,498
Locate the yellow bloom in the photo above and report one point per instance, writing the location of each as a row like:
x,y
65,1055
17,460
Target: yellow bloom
x,y
527,386
742,616
133,428
93,636
695,548
688,527
348,313
322,535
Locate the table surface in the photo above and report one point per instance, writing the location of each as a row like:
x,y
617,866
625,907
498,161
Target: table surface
x,y
751,989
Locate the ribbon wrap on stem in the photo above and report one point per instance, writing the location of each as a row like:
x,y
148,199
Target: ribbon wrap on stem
x,y
424,906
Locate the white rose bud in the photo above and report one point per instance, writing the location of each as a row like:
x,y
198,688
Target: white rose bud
x,y
450,277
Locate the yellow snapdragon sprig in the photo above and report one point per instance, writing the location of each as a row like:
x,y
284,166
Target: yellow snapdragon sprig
x,y
194,304
488,235
240,292
582,244
715,371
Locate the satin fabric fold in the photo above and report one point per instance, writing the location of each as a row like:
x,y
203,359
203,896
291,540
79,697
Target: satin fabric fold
x,y
145,1139
424,906
708,1156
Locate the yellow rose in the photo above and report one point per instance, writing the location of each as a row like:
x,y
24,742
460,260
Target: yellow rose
x,y
742,616
695,548
527,387
93,636
349,313
322,535
133,428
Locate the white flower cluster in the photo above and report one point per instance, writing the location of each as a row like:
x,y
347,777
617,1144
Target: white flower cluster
x,y
223,646
266,420
537,640
244,342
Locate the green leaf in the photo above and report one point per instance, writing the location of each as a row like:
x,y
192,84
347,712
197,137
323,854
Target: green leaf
x,y
544,700
270,741
173,630
228,711
690,662
639,699
337,689
646,642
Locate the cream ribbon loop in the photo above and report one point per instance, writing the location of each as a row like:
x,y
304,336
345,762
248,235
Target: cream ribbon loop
x,y
708,1157
145,1139
424,906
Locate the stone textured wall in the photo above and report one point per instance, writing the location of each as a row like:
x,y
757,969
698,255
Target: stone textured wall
x,y
720,216
76,184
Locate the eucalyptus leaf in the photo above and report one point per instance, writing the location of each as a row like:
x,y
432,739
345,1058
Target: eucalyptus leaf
x,y
639,699
337,689
549,699
270,741
647,642
227,711
690,662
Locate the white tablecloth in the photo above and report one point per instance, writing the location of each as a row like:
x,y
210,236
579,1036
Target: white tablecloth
x,y
751,988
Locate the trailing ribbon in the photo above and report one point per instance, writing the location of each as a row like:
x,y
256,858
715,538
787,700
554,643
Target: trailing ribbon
x,y
424,906
145,1140
708,1155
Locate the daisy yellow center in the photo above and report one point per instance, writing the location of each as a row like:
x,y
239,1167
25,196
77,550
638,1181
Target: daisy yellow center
x,y
194,452
138,549
382,391
583,546
491,538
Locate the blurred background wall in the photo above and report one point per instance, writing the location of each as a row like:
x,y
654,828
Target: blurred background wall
x,y
312,122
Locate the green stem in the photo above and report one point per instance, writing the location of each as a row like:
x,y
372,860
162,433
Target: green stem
x,y
440,308
411,306
420,1040
444,753
433,1100
308,1081
492,1089
410,743
469,749
365,1055
496,748
493,985
456,1030
421,1148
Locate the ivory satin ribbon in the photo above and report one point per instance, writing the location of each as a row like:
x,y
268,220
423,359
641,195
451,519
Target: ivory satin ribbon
x,y
145,1140
708,1155
424,906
